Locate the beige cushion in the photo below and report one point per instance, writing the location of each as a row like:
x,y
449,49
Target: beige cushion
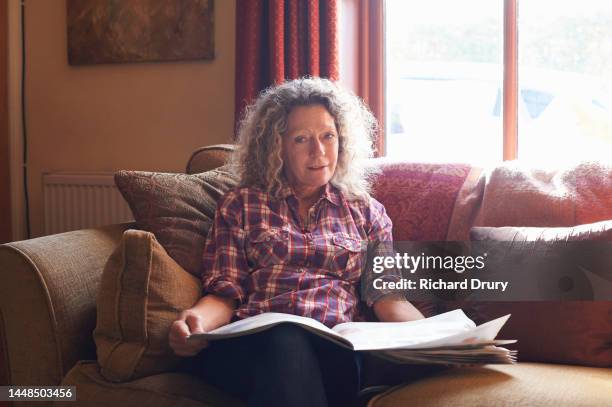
x,y
524,384
160,390
141,293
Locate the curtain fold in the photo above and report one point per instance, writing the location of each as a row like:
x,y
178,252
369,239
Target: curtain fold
x,y
283,39
370,66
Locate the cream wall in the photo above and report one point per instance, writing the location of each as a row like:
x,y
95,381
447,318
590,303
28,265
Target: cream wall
x,y
146,116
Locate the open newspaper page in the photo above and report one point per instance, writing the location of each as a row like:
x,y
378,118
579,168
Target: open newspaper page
x,y
268,320
446,338
389,335
475,346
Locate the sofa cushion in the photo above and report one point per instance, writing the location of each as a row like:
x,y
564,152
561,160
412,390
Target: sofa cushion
x,y
419,197
141,293
524,384
577,332
177,208
165,389
514,194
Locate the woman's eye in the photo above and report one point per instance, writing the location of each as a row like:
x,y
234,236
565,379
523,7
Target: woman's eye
x,y
330,136
299,139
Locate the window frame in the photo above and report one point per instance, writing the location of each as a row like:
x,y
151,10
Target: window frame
x,y
510,104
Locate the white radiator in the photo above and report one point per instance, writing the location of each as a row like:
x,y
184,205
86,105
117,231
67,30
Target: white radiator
x,y
77,201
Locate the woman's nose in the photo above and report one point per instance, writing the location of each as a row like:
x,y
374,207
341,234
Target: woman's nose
x,y
317,147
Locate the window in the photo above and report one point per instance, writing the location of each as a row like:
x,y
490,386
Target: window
x,y
564,55
445,80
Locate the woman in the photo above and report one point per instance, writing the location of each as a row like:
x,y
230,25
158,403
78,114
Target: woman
x,y
290,240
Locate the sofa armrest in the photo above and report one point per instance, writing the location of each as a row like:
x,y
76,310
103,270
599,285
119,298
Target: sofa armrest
x,y
48,301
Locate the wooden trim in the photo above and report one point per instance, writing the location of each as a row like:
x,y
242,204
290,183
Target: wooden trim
x,y
510,80
5,177
14,120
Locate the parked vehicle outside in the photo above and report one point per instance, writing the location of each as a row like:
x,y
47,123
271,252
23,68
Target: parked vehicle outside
x,y
453,112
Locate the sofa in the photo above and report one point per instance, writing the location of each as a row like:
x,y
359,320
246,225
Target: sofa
x,y
49,288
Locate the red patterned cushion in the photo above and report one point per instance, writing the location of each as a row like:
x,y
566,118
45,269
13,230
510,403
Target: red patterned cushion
x,y
177,208
420,198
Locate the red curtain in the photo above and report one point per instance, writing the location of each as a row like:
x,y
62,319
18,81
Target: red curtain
x,y
283,39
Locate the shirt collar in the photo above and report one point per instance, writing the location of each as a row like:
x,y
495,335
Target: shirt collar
x,y
331,193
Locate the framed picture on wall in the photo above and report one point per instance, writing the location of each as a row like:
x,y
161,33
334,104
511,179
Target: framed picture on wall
x,y
109,31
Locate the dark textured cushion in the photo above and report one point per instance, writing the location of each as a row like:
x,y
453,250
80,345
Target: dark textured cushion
x,y
141,293
575,332
177,208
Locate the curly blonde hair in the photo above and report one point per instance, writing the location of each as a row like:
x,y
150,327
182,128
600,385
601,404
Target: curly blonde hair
x,y
258,162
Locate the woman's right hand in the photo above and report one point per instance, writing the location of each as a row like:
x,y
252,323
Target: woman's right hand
x,y
208,313
189,322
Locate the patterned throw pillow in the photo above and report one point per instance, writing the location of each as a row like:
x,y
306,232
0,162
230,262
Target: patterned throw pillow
x,y
419,197
177,208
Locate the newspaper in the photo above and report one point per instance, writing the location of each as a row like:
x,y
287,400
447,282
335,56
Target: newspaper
x,y
448,338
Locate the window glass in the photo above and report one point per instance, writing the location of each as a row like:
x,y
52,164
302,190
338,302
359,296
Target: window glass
x,y
565,80
444,80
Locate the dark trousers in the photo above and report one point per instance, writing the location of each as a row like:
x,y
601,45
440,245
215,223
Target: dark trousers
x,y
282,366
289,366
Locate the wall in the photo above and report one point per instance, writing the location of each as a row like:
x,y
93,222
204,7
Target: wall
x,y
146,116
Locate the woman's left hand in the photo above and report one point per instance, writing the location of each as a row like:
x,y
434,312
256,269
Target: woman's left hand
x,y
395,308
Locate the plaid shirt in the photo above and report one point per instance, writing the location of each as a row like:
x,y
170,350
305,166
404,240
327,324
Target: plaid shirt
x,y
260,253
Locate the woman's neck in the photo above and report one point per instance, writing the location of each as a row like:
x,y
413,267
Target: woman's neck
x,y
306,199
308,196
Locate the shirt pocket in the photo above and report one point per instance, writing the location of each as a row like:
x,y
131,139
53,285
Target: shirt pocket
x,y
267,247
344,255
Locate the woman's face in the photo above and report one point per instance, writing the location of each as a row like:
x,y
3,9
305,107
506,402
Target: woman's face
x,y
310,148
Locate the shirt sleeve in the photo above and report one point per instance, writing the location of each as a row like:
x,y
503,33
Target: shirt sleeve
x,y
224,262
380,244
381,227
